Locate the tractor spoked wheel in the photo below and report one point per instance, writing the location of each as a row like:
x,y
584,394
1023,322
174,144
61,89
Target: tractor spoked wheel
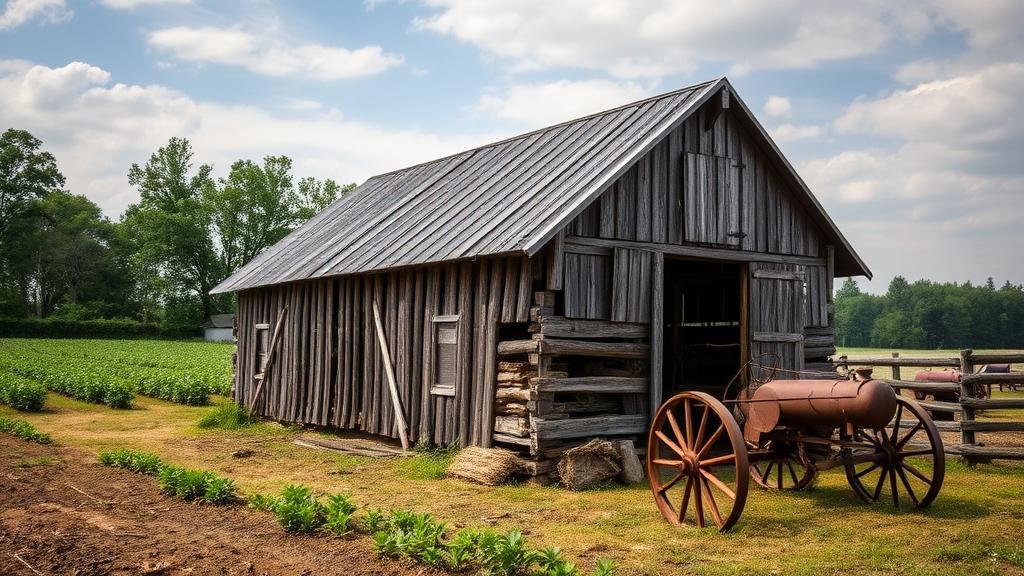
x,y
906,457
784,470
697,462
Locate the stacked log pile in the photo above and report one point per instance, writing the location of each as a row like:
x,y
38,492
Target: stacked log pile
x,y
572,381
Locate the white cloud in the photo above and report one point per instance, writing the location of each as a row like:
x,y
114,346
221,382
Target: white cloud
x,y
130,4
543,104
992,25
18,12
794,132
269,54
778,106
97,129
970,121
653,38
944,183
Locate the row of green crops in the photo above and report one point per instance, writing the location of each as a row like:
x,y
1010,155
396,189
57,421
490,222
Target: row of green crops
x,y
396,534
21,393
183,483
111,372
419,537
82,382
23,430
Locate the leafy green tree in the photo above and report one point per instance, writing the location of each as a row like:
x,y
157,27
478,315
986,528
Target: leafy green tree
x,y
257,205
171,224
60,257
315,195
26,173
250,209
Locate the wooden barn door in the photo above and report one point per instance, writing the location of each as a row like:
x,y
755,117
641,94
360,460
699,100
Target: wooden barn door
x,y
776,317
712,212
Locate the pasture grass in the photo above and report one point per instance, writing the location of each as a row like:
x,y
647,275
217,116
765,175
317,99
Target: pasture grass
x,y
974,527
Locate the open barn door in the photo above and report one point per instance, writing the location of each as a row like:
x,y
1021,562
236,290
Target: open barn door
x,y
776,318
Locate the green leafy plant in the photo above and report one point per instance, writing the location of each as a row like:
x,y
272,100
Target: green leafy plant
x,y
373,520
23,430
605,567
462,550
134,460
219,490
21,393
338,514
196,485
551,563
262,502
507,555
298,511
385,544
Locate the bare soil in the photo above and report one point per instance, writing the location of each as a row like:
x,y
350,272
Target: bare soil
x,y
63,513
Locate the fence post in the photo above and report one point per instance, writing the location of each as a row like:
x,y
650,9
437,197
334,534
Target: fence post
x,y
896,369
966,391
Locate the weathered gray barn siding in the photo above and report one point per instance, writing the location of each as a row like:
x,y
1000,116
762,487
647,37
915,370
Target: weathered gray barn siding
x,y
330,369
709,187
648,203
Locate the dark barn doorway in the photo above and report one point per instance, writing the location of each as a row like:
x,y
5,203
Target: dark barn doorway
x,y
703,325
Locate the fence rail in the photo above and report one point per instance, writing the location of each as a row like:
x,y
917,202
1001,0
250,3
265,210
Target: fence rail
x,y
970,401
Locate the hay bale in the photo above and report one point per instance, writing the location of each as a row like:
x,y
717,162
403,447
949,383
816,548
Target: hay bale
x,y
589,465
488,466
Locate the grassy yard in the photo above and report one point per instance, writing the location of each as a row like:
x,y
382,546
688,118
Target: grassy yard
x,y
973,528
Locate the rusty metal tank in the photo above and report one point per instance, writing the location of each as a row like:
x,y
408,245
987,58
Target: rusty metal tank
x,y
861,403
937,376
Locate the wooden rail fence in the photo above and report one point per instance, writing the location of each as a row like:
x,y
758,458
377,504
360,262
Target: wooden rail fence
x,y
972,400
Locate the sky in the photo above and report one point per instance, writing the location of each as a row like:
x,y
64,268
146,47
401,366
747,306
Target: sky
x,y
904,118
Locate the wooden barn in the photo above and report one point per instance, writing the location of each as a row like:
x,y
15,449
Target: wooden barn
x,y
548,288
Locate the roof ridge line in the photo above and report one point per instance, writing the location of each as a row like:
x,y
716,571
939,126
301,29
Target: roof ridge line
x,y
553,126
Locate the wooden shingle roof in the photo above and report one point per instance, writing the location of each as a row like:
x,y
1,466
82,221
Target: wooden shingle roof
x,y
507,197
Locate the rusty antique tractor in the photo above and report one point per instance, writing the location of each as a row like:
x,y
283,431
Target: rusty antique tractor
x,y
701,455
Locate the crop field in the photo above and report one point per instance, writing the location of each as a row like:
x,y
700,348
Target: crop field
x,y
112,372
974,527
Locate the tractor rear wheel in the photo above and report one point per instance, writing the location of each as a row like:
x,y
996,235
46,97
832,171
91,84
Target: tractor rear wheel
x,y
697,462
906,457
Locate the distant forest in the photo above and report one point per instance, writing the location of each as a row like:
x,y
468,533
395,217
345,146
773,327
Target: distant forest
x,y
930,315
63,261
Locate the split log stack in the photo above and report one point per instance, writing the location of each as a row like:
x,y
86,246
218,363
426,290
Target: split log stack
x,y
570,381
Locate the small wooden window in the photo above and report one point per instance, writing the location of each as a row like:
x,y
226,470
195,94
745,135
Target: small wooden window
x,y
446,347
262,346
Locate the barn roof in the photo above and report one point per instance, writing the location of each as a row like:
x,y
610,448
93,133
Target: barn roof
x,y
220,321
509,197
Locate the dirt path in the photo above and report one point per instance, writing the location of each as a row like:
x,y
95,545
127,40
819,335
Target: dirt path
x,y
62,513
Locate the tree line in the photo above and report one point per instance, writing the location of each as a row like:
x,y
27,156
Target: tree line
x,y
931,315
61,258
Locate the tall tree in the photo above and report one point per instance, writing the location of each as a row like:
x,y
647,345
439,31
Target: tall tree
x,y
257,205
250,209
315,195
26,173
172,222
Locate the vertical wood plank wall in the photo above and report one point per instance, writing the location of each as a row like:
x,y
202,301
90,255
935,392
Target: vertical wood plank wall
x,y
329,370
682,192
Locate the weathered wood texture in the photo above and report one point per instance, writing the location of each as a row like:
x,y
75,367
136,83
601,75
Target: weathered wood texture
x,y
631,285
588,286
714,187
330,370
776,318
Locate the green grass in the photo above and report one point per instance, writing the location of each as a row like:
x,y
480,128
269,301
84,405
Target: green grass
x,y
425,465
973,527
227,416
